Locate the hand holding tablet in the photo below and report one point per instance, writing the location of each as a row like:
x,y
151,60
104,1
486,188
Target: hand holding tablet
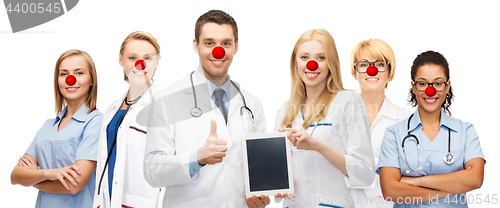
x,y
257,201
214,149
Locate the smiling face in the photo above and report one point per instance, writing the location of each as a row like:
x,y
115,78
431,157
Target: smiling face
x,y
139,50
78,67
430,73
211,36
371,83
312,49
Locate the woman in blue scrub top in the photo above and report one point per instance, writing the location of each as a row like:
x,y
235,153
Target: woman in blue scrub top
x,y
448,163
328,126
120,178
61,160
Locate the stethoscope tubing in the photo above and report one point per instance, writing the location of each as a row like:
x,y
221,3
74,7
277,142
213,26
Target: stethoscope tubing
x,y
447,161
197,112
116,134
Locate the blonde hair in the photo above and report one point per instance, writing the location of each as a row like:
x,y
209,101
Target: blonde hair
x,y
92,96
298,93
139,35
379,50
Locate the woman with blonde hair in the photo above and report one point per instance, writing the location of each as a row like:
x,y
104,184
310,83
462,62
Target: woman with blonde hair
x,y
61,160
122,143
373,65
328,126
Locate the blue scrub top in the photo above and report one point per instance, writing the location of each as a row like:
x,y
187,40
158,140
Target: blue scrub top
x,y
53,149
465,146
111,132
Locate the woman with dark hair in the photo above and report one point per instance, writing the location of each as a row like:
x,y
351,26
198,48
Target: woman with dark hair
x,y
430,159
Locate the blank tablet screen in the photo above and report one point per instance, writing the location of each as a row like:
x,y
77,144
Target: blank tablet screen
x,y
267,164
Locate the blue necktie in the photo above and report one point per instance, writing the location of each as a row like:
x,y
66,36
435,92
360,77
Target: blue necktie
x,y
219,93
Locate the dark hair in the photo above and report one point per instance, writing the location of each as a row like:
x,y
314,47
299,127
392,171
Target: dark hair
x,y
435,58
218,17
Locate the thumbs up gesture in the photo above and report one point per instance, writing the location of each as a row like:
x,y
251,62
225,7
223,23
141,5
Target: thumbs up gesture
x,y
214,148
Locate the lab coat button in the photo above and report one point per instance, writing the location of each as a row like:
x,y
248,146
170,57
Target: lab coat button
x,y
229,199
103,158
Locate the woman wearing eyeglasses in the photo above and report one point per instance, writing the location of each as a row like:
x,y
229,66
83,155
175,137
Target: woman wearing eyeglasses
x,y
430,159
373,65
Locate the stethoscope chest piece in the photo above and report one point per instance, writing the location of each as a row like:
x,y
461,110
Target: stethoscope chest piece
x,y
196,112
449,159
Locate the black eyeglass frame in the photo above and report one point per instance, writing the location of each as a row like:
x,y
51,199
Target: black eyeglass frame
x,y
431,84
372,64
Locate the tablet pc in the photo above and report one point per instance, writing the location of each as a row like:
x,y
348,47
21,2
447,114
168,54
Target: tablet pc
x,y
267,164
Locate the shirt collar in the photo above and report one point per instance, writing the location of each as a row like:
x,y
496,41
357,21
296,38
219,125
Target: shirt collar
x,y
448,121
210,86
80,115
387,109
445,120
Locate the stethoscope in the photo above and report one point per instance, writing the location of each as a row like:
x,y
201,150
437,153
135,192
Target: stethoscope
x,y
448,158
140,65
197,112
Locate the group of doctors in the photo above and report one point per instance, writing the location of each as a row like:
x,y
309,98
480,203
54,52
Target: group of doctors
x,y
181,146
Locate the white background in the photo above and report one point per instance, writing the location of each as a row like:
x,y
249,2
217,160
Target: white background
x,y
465,33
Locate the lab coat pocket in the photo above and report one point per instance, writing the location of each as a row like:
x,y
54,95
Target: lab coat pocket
x,y
137,136
137,201
97,201
202,202
321,132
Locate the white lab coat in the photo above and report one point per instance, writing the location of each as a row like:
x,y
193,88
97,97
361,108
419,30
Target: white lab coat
x,y
129,187
388,115
174,134
316,179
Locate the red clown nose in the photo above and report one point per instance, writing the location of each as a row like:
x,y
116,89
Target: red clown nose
x,y
430,91
218,52
140,64
312,65
70,80
372,71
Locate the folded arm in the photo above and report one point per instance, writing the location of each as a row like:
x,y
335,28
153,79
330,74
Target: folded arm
x,y
26,172
395,190
55,187
455,183
53,181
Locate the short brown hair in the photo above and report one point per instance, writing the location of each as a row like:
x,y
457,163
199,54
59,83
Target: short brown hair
x,y
92,97
139,35
218,17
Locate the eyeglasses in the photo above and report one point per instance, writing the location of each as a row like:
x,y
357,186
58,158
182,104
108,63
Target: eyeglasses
x,y
381,65
421,85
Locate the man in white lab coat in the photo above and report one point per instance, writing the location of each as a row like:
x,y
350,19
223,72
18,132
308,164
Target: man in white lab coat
x,y
196,126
